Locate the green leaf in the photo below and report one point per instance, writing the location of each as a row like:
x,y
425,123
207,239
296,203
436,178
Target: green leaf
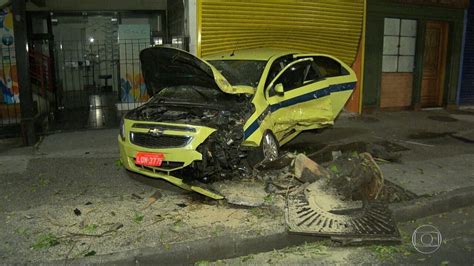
x,y
138,217
45,241
334,169
90,253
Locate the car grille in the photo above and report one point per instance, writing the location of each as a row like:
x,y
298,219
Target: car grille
x,y
163,141
165,166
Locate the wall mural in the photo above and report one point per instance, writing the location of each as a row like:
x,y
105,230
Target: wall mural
x,y
10,92
132,39
133,88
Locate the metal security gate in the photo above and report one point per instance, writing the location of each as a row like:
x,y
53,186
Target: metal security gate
x,y
467,83
327,26
98,81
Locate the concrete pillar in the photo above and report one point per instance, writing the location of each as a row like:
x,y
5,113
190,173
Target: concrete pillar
x,y
191,13
23,69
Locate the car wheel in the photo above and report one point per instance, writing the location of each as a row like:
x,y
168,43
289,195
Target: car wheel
x,y
270,147
269,150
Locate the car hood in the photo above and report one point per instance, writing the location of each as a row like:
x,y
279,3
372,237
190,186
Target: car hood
x,y
169,67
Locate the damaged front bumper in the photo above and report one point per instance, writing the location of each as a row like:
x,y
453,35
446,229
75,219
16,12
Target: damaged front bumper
x,y
179,152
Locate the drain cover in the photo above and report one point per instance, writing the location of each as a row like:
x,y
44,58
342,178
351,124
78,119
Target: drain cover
x,y
320,213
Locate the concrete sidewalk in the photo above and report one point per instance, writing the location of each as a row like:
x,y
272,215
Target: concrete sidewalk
x,y
80,170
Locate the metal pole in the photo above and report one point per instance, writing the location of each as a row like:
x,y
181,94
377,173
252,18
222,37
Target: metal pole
x,y
23,70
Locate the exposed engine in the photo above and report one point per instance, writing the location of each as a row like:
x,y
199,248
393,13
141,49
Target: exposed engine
x,y
222,153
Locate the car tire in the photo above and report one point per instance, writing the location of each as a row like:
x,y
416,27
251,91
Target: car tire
x,y
269,150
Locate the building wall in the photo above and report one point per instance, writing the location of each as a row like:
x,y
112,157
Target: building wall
x,y
377,11
98,5
466,95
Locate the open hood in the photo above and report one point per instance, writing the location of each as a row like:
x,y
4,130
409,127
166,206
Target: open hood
x,y
169,67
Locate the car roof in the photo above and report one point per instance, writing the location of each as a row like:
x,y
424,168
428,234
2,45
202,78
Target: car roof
x,y
250,54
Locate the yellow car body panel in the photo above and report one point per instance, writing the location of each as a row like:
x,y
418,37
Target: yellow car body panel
x,y
184,155
314,105
300,112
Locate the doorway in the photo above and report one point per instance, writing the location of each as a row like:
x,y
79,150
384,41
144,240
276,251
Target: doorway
x,y
434,64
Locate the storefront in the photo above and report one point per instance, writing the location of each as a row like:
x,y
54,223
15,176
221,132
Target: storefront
x,y
413,51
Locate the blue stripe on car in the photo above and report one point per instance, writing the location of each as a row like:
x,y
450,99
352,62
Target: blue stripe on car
x,y
300,99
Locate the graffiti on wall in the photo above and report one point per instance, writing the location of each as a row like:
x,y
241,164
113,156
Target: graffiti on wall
x,y
132,39
8,76
133,88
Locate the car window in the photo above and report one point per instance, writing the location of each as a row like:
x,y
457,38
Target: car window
x,y
277,66
240,72
295,76
329,67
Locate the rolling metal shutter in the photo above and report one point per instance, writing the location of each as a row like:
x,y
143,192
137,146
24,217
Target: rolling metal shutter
x,y
323,26
466,95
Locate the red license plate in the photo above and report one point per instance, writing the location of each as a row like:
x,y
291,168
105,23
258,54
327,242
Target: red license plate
x,y
149,159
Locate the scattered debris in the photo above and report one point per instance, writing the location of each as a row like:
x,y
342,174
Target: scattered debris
x,y
152,199
77,212
385,150
357,177
182,205
418,143
242,192
306,170
112,229
135,196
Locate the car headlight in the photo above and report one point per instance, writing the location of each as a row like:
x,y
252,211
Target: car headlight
x,y
122,129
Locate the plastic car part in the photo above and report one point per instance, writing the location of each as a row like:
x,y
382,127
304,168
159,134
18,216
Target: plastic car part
x,y
179,182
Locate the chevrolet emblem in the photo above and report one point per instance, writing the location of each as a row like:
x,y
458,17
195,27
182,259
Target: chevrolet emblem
x,y
155,132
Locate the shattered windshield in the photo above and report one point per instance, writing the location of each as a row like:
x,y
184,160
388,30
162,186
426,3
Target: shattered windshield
x,y
240,72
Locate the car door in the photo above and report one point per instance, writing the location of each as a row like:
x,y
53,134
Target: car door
x,y
340,78
302,104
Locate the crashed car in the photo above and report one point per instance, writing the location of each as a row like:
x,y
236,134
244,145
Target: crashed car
x,y
214,118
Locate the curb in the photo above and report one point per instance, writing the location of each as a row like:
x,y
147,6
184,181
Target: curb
x,y
235,245
427,206
208,249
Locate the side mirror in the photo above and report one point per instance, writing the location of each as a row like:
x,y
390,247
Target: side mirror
x,y
279,89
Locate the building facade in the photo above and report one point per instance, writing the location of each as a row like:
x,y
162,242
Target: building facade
x,y
413,52
466,93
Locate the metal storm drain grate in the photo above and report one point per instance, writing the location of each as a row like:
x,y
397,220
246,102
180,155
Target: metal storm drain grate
x,y
322,214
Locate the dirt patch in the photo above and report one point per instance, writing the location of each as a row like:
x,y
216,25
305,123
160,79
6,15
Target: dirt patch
x,y
392,193
304,147
391,146
429,135
385,150
442,118
62,232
